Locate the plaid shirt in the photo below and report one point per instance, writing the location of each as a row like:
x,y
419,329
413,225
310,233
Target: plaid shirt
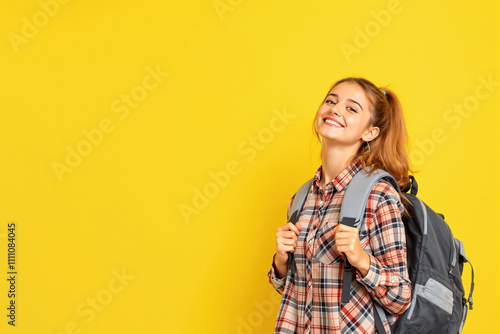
x,y
311,298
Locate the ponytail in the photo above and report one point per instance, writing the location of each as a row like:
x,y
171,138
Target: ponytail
x,y
389,150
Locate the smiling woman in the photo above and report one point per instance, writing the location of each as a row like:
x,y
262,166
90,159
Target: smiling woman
x,y
370,114
360,127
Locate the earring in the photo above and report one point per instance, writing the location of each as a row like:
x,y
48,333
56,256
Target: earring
x,y
369,150
321,139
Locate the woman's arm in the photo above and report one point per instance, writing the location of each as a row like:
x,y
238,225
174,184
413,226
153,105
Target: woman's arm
x,y
277,282
387,277
286,241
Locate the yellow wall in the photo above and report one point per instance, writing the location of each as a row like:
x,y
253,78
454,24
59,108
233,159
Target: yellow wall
x,y
148,149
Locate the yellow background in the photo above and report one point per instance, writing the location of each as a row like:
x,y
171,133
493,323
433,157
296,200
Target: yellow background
x,y
233,66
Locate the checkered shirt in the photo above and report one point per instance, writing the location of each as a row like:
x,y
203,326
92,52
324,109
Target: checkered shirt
x,y
311,301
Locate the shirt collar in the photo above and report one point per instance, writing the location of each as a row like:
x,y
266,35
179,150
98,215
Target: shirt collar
x,y
342,180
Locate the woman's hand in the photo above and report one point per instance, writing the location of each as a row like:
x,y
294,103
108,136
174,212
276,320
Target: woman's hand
x,y
348,244
286,241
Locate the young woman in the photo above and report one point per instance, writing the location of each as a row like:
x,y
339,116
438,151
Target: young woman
x,y
360,126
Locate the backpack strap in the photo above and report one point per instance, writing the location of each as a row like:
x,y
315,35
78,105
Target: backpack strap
x,y
351,214
379,316
465,259
296,210
412,186
357,193
298,201
352,211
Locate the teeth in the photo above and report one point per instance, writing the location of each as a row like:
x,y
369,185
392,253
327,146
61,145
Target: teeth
x,y
333,123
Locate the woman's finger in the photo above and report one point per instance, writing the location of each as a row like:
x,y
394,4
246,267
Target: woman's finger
x,y
287,241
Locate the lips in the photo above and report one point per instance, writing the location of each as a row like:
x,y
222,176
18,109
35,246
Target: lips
x,y
331,122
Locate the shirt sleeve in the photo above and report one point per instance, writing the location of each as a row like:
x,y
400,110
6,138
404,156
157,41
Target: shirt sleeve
x,y
387,278
276,282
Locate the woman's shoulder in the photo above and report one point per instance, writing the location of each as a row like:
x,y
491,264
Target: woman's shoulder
x,y
384,193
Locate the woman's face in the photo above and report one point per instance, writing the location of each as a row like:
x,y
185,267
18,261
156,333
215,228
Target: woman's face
x,y
344,116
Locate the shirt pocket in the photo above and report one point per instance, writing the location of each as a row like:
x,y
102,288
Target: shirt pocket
x,y
326,251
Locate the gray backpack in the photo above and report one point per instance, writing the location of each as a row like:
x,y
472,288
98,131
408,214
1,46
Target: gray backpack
x,y
435,259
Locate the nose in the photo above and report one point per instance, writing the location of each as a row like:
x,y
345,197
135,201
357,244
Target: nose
x,y
335,110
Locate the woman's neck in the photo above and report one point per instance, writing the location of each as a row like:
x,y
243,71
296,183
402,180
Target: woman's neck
x,y
334,160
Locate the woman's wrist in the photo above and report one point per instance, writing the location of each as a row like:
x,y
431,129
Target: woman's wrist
x,y
364,265
279,267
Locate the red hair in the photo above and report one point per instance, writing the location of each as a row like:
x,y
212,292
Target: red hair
x,y
389,150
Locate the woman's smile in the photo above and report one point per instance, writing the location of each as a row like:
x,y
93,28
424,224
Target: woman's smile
x,y
331,122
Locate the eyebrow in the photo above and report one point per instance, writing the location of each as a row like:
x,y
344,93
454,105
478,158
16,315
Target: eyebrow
x,y
351,100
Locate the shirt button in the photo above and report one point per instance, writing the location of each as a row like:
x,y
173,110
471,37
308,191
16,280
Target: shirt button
x,y
321,203
309,283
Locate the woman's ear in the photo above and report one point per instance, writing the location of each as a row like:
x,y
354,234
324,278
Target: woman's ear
x,y
371,134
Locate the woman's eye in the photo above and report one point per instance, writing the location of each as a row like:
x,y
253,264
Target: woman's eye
x,y
330,102
351,109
